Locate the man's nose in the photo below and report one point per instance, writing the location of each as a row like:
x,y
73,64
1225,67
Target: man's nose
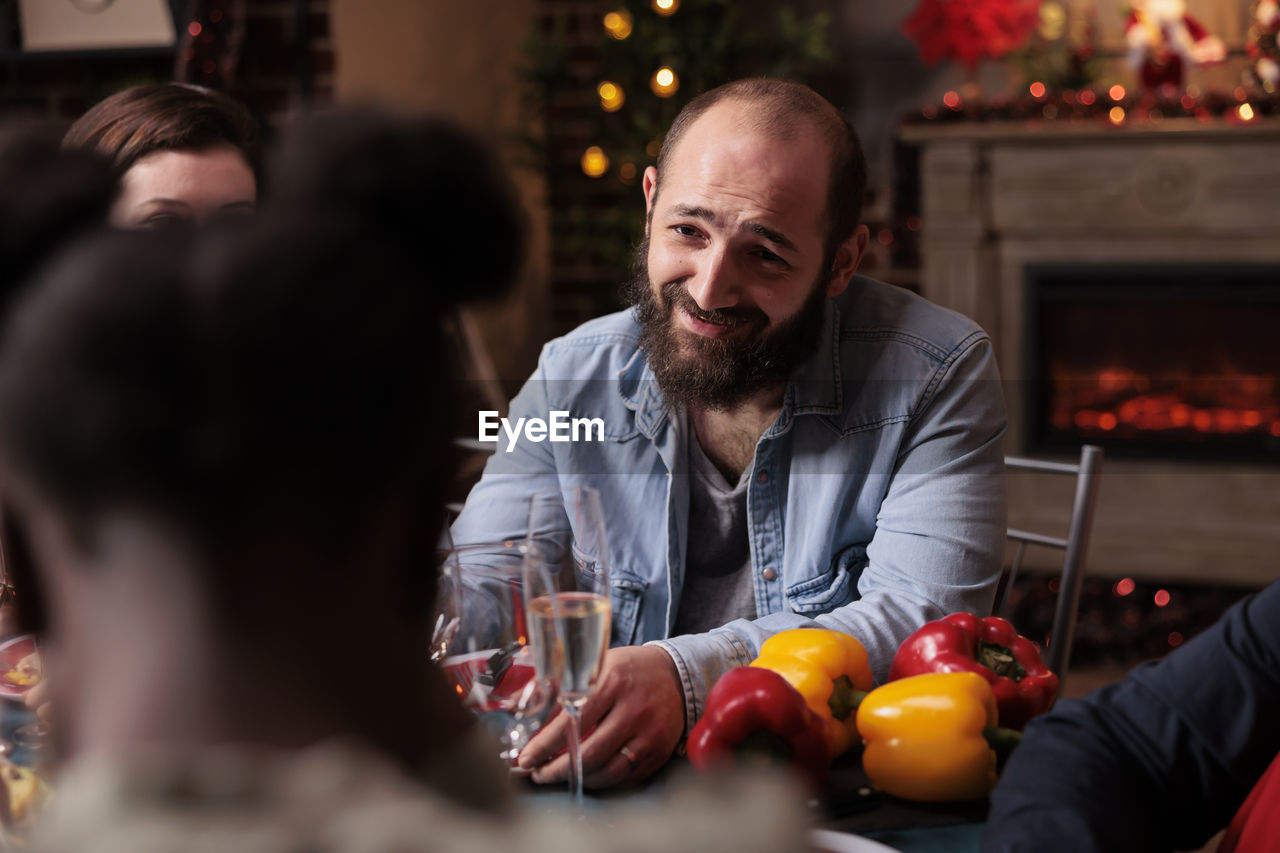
x,y
714,285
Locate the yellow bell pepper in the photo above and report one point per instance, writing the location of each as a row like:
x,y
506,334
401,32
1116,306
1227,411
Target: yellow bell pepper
x,y
926,737
831,671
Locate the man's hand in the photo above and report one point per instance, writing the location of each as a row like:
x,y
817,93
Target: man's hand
x,y
637,705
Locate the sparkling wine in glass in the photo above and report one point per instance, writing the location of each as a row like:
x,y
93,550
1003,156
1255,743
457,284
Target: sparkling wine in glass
x,y
488,655
570,615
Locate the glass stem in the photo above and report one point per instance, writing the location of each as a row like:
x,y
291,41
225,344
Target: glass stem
x,y
575,755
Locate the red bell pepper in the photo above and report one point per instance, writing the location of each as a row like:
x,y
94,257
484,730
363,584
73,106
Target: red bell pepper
x,y
962,642
755,711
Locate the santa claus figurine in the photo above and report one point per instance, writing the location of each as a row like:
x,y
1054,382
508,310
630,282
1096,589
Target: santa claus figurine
x,y
1163,39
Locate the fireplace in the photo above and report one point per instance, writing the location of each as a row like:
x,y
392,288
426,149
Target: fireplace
x,y
1074,245
1151,361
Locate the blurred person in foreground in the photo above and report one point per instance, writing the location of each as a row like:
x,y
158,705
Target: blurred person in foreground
x,y
185,155
1182,748
46,196
783,443
225,452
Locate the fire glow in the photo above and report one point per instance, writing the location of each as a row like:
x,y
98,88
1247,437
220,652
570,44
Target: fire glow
x,y
1123,401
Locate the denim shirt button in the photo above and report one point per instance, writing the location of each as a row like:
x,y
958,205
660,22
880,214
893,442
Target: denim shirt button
x,y
769,574
762,477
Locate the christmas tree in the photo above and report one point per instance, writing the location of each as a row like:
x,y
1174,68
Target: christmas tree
x,y
604,84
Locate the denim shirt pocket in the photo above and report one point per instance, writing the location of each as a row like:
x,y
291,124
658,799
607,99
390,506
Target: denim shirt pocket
x,y
626,590
834,588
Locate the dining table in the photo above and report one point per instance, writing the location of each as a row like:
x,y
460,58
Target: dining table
x,y
847,810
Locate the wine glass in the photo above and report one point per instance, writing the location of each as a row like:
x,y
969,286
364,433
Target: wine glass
x,y
567,539
484,646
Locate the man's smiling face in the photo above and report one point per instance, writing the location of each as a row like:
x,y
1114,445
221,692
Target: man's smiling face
x,y
734,271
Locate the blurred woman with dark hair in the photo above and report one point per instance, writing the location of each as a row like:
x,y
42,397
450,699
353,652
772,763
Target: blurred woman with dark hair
x,y
185,154
226,449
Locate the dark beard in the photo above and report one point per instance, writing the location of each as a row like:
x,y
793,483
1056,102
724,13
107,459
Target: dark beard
x,y
719,374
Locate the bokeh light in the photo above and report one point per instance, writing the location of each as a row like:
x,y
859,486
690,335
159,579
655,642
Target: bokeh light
x,y
618,24
1161,597
664,82
611,96
1037,89
594,162
1116,92
666,8
1124,587
1116,115
952,99
1245,112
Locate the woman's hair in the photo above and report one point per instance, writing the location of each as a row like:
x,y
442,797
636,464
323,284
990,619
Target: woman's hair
x,y
131,124
274,387
47,196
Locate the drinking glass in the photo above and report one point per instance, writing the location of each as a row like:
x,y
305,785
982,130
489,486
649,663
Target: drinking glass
x,y
484,645
567,541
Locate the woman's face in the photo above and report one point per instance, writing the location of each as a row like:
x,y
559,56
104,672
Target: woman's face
x,y
185,188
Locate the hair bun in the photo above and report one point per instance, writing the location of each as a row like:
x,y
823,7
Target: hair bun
x,y
422,186
47,197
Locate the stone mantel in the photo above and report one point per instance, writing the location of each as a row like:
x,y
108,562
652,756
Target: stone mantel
x,y
999,196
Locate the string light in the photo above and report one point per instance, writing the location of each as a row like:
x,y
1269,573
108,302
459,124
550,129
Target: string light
x,y
594,162
1245,112
618,24
666,8
664,82
611,96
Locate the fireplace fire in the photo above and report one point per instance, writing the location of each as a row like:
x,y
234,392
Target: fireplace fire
x,y
1169,362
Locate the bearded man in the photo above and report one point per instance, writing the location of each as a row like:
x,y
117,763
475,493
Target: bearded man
x,y
785,444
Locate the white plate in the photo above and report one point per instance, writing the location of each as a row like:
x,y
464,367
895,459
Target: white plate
x,y
830,841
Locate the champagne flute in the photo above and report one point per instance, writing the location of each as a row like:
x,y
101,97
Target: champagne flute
x,y
484,648
571,618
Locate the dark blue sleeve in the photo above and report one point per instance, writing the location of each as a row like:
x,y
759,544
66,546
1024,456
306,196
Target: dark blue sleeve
x,y
1159,761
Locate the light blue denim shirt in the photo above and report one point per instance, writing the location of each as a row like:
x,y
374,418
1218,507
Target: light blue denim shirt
x,y
876,499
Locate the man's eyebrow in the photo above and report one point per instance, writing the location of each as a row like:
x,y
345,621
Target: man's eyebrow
x,y
172,202
769,234
754,227
694,211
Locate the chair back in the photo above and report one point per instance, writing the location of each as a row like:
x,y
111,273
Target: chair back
x,y
1074,546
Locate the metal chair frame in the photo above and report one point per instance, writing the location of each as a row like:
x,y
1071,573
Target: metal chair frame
x,y
1075,546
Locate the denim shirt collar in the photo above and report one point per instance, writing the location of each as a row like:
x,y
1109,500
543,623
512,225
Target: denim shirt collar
x,y
814,389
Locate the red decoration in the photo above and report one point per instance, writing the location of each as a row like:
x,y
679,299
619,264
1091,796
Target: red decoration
x,y
967,30
1163,39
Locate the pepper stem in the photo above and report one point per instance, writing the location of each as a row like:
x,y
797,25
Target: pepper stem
x,y
1000,660
845,698
1002,741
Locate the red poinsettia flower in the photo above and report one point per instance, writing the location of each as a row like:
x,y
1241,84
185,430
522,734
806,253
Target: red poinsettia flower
x,y
965,30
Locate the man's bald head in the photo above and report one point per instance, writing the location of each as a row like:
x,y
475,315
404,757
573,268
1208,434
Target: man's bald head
x,y
776,108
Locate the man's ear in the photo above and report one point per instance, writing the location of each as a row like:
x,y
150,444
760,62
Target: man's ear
x,y
650,183
848,256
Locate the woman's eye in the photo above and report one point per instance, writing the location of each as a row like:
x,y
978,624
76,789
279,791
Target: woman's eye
x,y
163,220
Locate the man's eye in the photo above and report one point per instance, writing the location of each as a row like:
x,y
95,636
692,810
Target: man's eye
x,y
770,257
685,230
